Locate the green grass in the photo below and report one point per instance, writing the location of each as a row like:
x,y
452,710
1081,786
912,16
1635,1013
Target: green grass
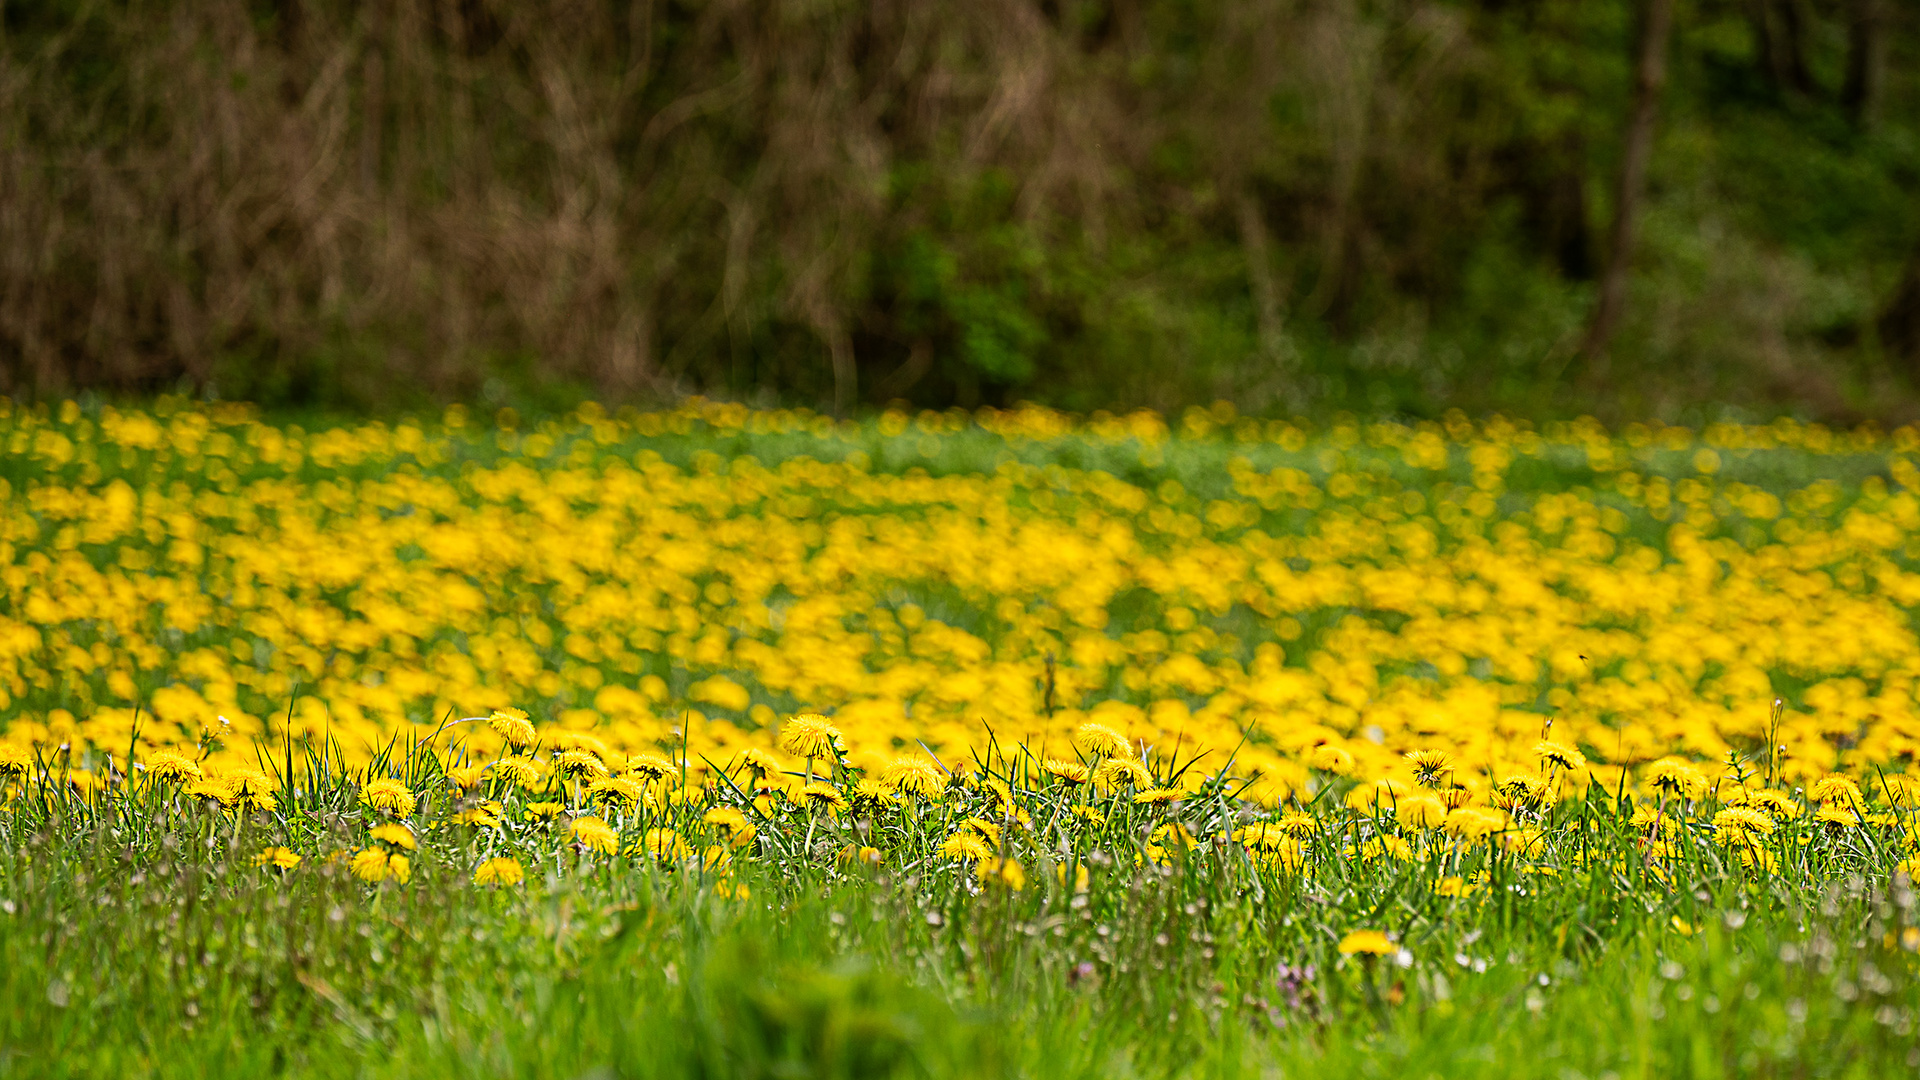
x,y
141,941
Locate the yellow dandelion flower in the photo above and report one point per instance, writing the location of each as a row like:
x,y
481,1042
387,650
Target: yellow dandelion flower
x,y
595,835
1119,772
666,846
512,726
809,735
914,776
755,759
1676,779
1776,804
519,771
1559,756
370,864
466,777
617,790
1367,943
388,795
17,761
870,796
1473,823
579,764
1738,825
650,767
1006,873
1159,795
988,830
499,871
396,835
819,796
1420,812
1837,789
1099,740
1073,772
544,811
171,767
212,788
1395,847
1331,759
966,844
1431,768
279,858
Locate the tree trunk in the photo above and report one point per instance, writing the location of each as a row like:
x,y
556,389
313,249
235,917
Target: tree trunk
x,y
1866,60
1650,74
1899,323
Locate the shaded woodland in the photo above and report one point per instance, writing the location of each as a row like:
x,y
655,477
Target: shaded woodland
x,y
1619,207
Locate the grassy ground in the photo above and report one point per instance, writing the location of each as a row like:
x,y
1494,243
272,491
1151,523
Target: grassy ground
x,y
1223,748
139,940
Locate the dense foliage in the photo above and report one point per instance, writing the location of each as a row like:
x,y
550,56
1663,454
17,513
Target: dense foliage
x,y
1381,204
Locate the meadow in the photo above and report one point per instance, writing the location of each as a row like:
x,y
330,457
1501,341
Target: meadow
x,y
731,743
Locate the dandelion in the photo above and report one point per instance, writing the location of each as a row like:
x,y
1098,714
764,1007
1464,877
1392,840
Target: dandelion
x,y
484,816
809,735
1073,772
1455,886
594,834
1775,804
1837,812
1367,943
169,767
914,776
617,791
650,767
756,760
512,726
1739,825
1331,759
376,865
279,858
1837,789
579,764
988,830
1559,756
217,790
870,796
16,762
398,836
1119,772
1431,768
499,871
1006,873
967,845
1395,847
466,777
1420,812
818,796
1159,796
1099,740
543,811
1675,779
1473,823
518,771
1080,878
666,846
388,795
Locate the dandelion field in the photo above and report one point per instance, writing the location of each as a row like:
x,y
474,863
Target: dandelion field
x,y
734,743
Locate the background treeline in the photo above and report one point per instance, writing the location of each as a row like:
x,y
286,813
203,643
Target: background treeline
x,y
1297,204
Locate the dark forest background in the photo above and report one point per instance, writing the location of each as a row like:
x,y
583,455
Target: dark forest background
x,y
1299,205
